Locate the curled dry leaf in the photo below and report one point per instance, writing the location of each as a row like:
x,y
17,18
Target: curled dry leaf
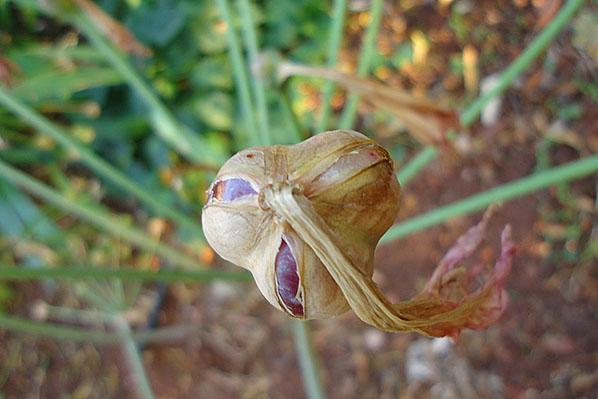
x,y
8,70
305,220
113,30
427,121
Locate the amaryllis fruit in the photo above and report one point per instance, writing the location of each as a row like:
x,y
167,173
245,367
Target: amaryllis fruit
x,y
305,220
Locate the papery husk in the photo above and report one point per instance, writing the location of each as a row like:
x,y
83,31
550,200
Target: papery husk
x,y
360,210
331,198
429,313
426,120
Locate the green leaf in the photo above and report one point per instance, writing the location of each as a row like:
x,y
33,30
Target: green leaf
x,y
213,72
157,23
215,109
207,29
38,55
63,84
21,217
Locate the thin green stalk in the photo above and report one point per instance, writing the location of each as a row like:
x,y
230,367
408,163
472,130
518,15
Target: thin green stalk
x,y
307,361
259,87
184,141
505,192
239,68
123,273
45,329
134,360
94,162
532,51
291,121
334,45
410,170
106,222
367,53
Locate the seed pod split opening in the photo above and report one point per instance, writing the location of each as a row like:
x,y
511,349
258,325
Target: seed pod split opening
x,y
305,220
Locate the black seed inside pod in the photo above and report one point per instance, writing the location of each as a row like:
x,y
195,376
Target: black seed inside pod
x,y
287,279
231,189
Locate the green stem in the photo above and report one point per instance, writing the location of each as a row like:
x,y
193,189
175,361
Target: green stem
x,y
535,48
291,121
178,136
307,361
365,59
239,68
259,87
505,192
410,170
122,273
94,162
532,51
134,360
334,45
31,327
106,222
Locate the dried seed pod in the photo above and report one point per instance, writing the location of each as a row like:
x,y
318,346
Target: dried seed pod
x,y
305,220
348,178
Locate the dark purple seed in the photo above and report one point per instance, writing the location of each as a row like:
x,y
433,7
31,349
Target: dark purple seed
x,y
231,189
287,279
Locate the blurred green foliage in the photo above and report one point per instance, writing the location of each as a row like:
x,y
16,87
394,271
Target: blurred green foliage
x,y
70,81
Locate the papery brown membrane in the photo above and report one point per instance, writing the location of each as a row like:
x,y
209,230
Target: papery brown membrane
x,y
116,32
426,120
305,220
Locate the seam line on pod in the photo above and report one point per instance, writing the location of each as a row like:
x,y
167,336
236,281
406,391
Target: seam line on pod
x,y
302,172
328,179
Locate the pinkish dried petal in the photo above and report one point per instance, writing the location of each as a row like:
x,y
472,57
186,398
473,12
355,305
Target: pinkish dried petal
x,y
450,288
287,279
496,302
230,189
463,249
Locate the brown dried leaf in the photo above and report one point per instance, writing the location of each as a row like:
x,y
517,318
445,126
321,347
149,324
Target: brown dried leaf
x,y
8,70
113,30
427,121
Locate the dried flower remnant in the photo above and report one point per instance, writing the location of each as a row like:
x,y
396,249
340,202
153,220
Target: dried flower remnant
x,y
113,30
305,220
451,285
